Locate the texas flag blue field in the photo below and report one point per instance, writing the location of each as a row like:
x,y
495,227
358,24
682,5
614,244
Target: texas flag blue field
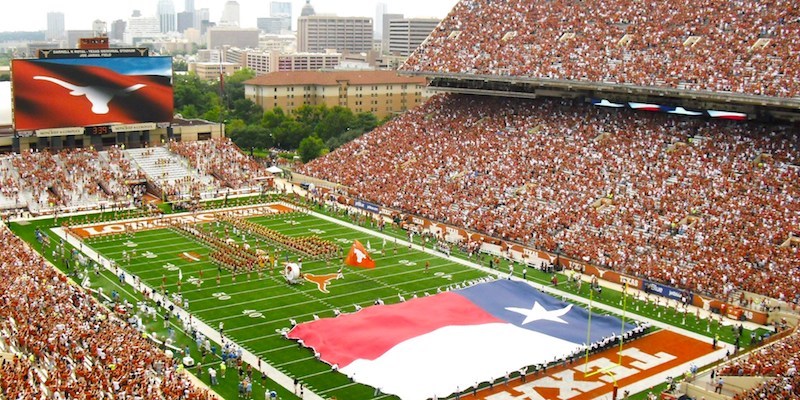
x,y
434,346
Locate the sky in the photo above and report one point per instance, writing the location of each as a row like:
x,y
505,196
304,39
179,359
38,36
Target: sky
x,y
79,14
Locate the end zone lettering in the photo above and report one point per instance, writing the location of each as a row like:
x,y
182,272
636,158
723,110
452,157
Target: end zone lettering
x,y
157,223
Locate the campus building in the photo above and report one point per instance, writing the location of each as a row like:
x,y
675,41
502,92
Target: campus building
x,y
406,34
317,33
379,92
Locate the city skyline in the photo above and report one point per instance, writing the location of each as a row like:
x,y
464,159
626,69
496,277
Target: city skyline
x,y
80,15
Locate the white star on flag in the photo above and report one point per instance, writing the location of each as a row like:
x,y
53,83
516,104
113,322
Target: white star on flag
x,y
539,313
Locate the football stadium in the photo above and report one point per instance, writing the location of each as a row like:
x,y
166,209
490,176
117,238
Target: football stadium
x,y
602,201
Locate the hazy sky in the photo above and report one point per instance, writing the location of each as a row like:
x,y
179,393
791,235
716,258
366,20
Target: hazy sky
x,y
78,14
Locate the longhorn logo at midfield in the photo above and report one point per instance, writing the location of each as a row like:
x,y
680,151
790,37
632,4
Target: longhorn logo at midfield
x,y
321,280
99,96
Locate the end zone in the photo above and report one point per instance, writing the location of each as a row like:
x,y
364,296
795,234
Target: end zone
x,y
142,224
645,362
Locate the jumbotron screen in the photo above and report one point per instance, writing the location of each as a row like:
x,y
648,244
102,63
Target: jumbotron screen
x,y
57,93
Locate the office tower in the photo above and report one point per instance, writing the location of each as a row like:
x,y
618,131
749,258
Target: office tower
x,y
317,33
117,30
166,16
405,35
55,26
380,10
230,14
282,10
385,19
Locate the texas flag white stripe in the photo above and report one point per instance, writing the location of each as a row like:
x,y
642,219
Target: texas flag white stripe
x,y
461,355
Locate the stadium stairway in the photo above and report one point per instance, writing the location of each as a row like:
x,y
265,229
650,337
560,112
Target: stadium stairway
x,y
162,166
8,202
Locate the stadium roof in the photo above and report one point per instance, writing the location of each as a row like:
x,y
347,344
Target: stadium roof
x,y
332,78
579,47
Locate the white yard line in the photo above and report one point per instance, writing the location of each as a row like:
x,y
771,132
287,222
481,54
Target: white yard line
x,y
287,382
636,387
211,333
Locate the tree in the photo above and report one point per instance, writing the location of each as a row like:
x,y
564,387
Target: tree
x,y
251,136
272,119
310,116
337,141
247,111
289,134
190,90
234,84
365,122
180,65
335,122
311,148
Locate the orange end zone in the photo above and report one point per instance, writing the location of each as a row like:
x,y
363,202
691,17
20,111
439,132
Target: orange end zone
x,y
84,232
641,359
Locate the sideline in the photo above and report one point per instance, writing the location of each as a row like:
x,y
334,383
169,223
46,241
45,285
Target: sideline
x,y
196,381
212,334
636,387
288,383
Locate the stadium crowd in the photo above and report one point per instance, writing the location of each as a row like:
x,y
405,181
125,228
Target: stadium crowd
x,y
704,205
780,358
779,361
223,160
69,345
70,179
747,47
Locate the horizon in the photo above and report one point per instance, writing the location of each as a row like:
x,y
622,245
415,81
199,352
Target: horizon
x,y
80,15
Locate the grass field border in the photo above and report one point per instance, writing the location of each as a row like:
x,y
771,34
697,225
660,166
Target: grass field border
x,y
533,275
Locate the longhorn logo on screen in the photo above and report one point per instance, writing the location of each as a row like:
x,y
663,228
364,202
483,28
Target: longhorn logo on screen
x,y
99,96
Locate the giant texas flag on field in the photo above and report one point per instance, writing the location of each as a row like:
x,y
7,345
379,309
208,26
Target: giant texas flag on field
x,y
434,346
358,256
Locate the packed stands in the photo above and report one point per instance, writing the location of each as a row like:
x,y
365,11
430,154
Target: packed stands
x,y
70,180
66,345
743,47
703,205
119,172
780,358
779,361
221,159
9,188
85,179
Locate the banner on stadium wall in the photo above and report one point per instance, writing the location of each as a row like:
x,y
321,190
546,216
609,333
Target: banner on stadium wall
x,y
367,206
735,312
452,234
492,249
600,273
420,221
622,279
665,291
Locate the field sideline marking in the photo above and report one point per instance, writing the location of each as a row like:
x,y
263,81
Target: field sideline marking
x,y
212,334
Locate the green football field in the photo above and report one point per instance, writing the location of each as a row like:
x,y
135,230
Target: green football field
x,y
255,309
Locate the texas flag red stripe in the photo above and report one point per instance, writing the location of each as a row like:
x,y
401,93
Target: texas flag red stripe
x,y
357,338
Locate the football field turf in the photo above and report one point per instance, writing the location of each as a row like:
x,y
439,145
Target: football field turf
x,y
254,310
